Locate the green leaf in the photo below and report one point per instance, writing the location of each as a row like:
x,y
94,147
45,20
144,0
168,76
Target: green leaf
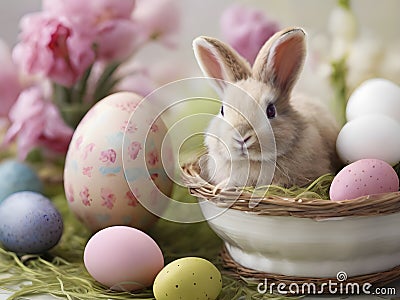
x,y
61,95
103,86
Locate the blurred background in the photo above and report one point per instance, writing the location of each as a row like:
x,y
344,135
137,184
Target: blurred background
x,y
202,17
377,19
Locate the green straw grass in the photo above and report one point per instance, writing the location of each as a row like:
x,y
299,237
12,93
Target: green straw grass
x,y
318,189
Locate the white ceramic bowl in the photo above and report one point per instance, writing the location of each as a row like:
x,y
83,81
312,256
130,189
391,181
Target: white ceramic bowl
x,y
300,247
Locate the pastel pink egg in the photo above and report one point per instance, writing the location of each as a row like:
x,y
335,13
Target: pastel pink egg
x,y
123,258
364,177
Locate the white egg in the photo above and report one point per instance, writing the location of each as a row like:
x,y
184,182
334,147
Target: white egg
x,y
371,136
374,96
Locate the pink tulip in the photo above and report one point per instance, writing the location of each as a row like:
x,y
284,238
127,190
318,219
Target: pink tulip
x,y
9,83
91,12
50,47
246,30
158,19
36,122
138,80
117,39
109,22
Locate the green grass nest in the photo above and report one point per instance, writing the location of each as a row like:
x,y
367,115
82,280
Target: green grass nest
x,y
318,189
61,271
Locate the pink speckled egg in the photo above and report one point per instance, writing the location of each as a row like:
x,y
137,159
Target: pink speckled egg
x,y
364,177
123,258
113,160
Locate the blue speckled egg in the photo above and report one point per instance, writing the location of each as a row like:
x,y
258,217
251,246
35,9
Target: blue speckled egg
x,y
29,223
15,177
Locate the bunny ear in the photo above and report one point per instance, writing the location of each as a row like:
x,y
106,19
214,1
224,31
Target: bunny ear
x,y
281,59
219,61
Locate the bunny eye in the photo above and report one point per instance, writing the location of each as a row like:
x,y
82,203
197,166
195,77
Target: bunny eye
x,y
222,110
271,111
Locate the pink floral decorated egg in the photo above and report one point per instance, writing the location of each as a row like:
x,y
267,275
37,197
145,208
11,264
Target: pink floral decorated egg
x,y
114,160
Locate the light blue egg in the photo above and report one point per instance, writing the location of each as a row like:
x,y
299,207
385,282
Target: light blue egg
x,y
29,223
15,177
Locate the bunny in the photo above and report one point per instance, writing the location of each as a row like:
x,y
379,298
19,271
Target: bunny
x,y
263,134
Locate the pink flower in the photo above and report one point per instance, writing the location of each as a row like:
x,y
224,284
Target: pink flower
x,y
132,201
85,196
127,106
88,149
129,127
90,12
87,171
152,157
154,127
116,39
246,30
108,198
70,193
9,83
37,122
158,19
108,156
138,81
154,176
78,142
133,150
108,21
49,46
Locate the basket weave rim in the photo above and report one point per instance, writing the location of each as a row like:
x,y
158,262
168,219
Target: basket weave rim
x,y
238,271
371,205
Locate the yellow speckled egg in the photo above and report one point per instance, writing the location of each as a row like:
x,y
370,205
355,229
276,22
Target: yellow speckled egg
x,y
189,278
114,159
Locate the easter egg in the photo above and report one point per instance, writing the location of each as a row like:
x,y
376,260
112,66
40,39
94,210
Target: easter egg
x,y
370,136
374,96
17,177
29,223
123,258
364,177
188,278
108,150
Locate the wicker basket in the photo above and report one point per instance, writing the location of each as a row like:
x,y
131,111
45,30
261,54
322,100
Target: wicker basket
x,y
303,240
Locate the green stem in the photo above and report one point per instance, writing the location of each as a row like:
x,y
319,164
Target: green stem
x,y
344,4
70,109
73,113
81,86
338,82
61,95
102,86
109,86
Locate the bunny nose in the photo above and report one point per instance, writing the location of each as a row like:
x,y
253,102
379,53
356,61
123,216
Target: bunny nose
x,y
242,142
